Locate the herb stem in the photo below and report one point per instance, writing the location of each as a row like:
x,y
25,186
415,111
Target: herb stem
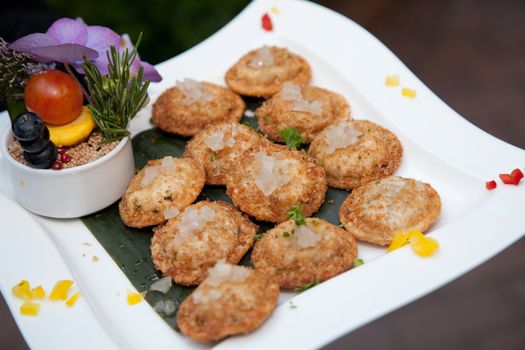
x,y
70,71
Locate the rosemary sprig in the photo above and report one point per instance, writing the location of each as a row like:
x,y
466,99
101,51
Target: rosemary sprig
x,y
117,97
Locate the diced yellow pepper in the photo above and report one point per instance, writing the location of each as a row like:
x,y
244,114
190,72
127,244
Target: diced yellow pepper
x,y
275,10
134,298
400,239
71,301
422,245
74,132
29,308
60,290
22,290
410,93
38,293
392,80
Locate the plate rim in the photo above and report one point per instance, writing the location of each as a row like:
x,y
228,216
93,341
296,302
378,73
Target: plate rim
x,y
332,325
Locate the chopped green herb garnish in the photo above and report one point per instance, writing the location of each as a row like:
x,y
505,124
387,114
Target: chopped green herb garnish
x,y
291,137
213,156
259,235
357,262
266,119
295,213
341,225
246,123
315,222
306,286
286,234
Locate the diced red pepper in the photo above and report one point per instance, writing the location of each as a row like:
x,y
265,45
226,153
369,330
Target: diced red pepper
x,y
490,185
267,22
513,178
517,175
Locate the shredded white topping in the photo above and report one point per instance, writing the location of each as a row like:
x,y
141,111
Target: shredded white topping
x,y
292,92
420,186
194,91
171,213
162,285
305,237
263,58
223,271
216,141
314,107
272,173
165,307
167,165
150,173
341,135
193,220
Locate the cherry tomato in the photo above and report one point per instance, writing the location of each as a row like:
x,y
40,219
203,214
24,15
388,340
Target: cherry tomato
x,y
55,96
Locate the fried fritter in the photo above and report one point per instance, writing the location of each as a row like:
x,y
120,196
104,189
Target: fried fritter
x,y
162,185
356,152
231,300
219,146
298,255
375,212
262,72
187,245
267,182
188,108
307,108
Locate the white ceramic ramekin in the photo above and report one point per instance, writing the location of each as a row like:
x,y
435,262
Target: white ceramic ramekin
x,y
74,192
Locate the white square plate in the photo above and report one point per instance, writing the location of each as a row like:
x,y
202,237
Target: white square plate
x,y
440,148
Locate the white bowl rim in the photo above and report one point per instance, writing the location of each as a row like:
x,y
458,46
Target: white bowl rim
x,y
51,172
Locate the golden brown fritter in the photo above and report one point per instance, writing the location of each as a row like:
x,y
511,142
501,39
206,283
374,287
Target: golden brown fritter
x,y
311,112
376,153
298,255
187,245
174,114
229,141
375,212
267,182
249,78
233,300
163,184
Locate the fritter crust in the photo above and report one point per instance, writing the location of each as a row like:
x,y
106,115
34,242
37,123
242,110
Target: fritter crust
x,y
241,308
218,164
376,155
378,210
172,115
267,81
276,255
228,236
307,185
276,113
141,207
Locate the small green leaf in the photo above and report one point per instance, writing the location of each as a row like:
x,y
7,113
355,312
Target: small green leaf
x,y
259,235
295,213
291,137
341,225
315,222
286,234
307,286
357,262
213,156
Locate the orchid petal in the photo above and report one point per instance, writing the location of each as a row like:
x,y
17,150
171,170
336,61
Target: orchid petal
x,y
64,53
26,43
69,31
101,38
150,73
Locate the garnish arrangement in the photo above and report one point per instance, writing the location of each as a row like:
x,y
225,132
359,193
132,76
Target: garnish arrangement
x,y
71,92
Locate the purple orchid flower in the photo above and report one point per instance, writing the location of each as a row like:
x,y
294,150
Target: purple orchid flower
x,y
70,40
150,73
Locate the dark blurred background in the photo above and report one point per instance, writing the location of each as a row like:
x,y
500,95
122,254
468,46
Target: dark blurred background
x,y
471,53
